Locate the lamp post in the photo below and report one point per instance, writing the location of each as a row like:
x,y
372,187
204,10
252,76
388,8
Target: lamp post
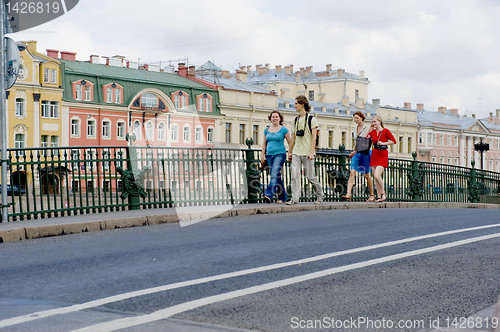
x,y
3,116
481,147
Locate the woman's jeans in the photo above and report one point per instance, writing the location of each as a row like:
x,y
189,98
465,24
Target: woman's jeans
x,y
276,185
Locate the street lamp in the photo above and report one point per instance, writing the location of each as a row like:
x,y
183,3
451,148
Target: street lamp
x,y
481,147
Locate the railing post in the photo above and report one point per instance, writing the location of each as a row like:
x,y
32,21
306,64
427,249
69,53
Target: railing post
x,y
252,173
473,186
415,178
343,173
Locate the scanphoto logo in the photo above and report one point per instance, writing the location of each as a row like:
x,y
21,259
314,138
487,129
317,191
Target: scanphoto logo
x,y
23,15
175,157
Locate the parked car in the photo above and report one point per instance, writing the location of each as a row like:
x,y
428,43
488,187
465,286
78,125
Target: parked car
x,y
13,189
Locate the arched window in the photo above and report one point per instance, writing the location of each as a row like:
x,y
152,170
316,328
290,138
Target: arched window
x,y
137,130
161,131
149,131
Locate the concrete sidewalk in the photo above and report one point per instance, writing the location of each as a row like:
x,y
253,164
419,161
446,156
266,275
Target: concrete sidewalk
x,y
37,228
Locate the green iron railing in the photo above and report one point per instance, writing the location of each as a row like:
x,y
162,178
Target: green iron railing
x,y
55,182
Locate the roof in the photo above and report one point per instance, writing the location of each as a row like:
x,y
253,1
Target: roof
x,y
330,107
94,69
462,122
272,75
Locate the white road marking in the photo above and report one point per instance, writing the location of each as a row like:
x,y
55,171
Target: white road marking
x,y
124,296
168,312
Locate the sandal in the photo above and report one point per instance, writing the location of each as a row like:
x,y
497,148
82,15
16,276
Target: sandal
x,y
267,200
381,199
371,199
279,201
347,197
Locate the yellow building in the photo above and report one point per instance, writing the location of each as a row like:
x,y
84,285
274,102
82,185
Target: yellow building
x,y
34,105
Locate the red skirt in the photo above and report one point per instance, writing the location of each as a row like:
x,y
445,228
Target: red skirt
x,y
379,158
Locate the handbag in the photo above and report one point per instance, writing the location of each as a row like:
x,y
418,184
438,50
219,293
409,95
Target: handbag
x,y
363,144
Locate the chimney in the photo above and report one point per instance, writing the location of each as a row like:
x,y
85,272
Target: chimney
x,y
54,54
145,67
93,58
420,107
361,74
376,101
498,114
192,71
262,70
360,103
297,76
454,111
70,56
328,68
497,121
309,69
242,67
340,72
490,118
268,66
249,69
407,106
225,73
442,109
278,68
288,70
31,46
345,101
473,116
257,67
241,75
182,70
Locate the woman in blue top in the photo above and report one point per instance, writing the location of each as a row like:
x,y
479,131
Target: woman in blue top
x,y
274,151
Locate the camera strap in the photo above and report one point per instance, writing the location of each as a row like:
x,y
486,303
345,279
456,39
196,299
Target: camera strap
x,y
305,120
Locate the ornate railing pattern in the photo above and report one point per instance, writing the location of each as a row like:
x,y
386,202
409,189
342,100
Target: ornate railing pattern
x,y
54,182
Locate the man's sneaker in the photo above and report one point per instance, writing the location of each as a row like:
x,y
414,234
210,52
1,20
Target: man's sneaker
x,y
319,200
292,202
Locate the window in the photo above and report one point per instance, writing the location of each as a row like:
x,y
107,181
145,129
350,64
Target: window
x,y
255,135
50,109
177,101
449,140
88,93
54,143
91,128
44,143
161,131
228,133
210,135
441,160
109,95
420,138
311,95
75,155
118,96
75,127
53,79
344,134
449,161
456,161
175,133
149,100
198,136
20,106
242,134
205,103
78,92
409,145
106,129
356,94
137,130
19,141
400,144
120,130
186,134
433,159
149,131
46,75
330,139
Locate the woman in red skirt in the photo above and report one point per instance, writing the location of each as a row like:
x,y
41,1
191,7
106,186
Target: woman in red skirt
x,y
381,138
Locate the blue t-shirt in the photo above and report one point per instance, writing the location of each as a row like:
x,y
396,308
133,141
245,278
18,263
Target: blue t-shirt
x,y
275,141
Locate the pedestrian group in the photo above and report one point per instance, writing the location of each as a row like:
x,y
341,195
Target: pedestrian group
x,y
302,150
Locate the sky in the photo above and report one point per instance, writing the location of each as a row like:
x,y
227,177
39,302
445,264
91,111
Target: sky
x,y
434,52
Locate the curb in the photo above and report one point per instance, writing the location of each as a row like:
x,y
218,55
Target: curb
x,y
23,230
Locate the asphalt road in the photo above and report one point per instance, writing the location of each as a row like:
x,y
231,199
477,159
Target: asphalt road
x,y
356,273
